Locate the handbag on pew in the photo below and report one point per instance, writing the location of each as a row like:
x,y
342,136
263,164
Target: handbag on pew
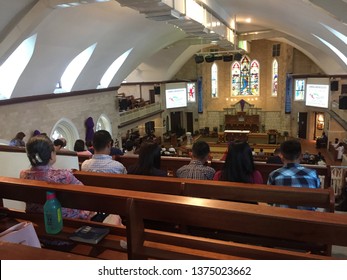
x,y
21,233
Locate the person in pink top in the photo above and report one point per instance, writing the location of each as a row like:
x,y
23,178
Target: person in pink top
x,y
41,154
239,165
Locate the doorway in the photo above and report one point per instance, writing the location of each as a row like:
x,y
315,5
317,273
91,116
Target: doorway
x,y
190,122
319,124
302,125
176,126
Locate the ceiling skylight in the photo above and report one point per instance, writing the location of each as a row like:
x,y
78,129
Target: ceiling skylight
x,y
13,67
333,48
74,69
338,34
113,69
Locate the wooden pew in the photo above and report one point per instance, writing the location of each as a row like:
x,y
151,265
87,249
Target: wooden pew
x,y
171,164
320,198
267,222
15,159
12,251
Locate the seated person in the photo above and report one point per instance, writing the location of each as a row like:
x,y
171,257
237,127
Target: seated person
x,y
340,150
42,155
261,152
59,144
101,161
292,173
80,148
149,161
197,169
275,158
322,141
239,165
336,143
115,152
129,149
18,141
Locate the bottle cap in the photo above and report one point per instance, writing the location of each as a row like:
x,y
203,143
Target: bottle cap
x,y
50,195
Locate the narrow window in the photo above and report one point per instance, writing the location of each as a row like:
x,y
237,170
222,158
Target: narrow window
x,y
214,81
274,78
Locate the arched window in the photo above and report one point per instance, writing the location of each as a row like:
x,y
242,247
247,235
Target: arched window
x,y
274,77
214,80
13,67
104,123
73,70
64,128
245,77
113,69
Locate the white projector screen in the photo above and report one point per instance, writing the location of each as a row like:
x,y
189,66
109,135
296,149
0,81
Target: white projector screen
x,y
176,95
317,92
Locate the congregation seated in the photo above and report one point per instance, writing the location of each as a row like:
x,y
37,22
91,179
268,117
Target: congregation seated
x,y
275,158
322,141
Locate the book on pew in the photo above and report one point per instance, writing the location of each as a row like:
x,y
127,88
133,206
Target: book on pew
x,y
88,234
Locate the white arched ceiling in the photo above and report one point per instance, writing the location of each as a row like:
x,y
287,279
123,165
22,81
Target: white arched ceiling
x,y
62,33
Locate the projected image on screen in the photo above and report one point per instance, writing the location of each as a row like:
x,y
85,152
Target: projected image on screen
x,y
317,95
176,98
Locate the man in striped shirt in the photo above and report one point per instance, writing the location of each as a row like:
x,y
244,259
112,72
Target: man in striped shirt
x,y
196,168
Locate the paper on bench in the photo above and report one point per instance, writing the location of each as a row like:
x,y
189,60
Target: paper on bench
x,y
22,233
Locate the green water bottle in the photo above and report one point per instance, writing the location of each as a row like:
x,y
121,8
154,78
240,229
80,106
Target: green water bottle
x,y
52,214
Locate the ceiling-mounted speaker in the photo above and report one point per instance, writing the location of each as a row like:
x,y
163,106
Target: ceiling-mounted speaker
x,y
199,59
334,85
343,102
209,58
227,58
237,56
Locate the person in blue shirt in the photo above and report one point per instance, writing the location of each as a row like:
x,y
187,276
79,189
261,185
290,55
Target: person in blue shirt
x,y
292,173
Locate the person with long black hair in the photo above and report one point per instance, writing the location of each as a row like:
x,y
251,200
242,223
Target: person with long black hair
x,y
239,165
149,161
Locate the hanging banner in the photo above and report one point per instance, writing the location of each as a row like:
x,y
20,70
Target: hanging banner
x,y
200,98
288,98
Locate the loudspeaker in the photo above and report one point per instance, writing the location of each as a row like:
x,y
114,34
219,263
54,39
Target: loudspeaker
x,y
227,58
334,85
343,102
157,90
209,58
237,56
199,59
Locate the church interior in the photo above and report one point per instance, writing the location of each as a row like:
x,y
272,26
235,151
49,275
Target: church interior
x,y
180,71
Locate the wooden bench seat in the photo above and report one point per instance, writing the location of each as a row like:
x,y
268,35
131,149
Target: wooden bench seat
x,y
266,222
12,251
171,164
319,198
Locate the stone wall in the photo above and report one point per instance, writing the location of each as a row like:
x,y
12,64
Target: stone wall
x,y
44,114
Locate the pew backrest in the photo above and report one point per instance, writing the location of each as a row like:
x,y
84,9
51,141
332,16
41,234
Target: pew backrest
x,y
318,198
264,221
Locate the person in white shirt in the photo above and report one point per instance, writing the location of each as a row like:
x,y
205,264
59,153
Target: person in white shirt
x,y
340,150
336,143
101,160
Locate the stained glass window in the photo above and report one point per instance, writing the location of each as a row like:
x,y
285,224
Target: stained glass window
x,y
245,77
214,80
274,77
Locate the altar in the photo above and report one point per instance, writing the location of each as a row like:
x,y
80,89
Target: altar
x,y
232,135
